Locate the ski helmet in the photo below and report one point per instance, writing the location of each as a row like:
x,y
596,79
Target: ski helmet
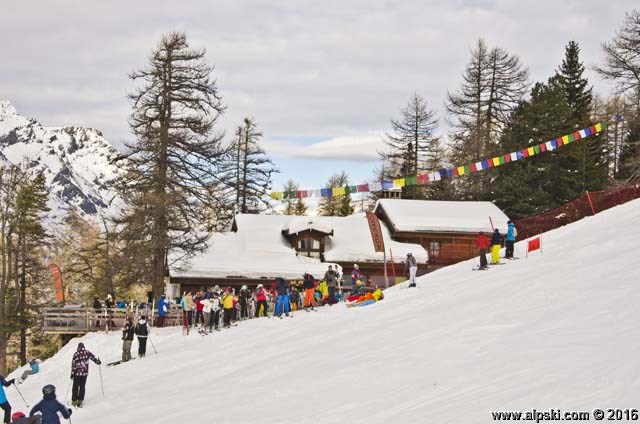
x,y
80,346
17,415
49,389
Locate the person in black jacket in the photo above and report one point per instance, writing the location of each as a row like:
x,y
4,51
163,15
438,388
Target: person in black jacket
x,y
127,339
97,307
244,295
496,243
49,406
142,331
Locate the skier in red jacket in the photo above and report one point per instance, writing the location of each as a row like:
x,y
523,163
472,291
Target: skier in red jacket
x,y
482,243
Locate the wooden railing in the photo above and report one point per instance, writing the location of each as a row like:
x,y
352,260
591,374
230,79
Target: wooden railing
x,y
84,319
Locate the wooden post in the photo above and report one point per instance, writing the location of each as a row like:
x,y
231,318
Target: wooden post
x,y
386,278
591,203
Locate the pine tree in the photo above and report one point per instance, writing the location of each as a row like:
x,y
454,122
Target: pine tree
x,y
532,186
295,206
253,169
23,203
412,146
591,153
175,169
336,205
493,84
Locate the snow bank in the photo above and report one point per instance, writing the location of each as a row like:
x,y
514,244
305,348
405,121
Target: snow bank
x,y
556,330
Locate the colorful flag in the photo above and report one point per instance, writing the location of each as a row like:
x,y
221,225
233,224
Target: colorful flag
x,y
514,156
387,185
363,188
326,192
598,127
413,180
339,191
565,139
375,186
423,178
479,166
533,244
276,195
531,151
461,170
376,232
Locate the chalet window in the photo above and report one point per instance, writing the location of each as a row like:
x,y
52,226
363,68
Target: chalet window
x,y
434,249
308,247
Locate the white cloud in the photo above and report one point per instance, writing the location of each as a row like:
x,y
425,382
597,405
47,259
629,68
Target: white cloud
x,y
354,147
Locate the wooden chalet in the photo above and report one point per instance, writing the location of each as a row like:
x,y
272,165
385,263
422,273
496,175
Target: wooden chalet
x,y
447,230
259,248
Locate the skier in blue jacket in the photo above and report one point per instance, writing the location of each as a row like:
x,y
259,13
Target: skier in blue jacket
x,y
163,309
49,406
4,403
510,240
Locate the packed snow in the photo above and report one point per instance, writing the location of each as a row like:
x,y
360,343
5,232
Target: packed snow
x,y
558,329
443,216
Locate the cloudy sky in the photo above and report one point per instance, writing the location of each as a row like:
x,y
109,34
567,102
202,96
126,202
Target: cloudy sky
x,y
322,78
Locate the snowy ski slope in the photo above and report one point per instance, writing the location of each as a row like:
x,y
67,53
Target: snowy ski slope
x,y
556,330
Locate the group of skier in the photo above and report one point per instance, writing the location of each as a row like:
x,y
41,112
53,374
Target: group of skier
x,y
485,245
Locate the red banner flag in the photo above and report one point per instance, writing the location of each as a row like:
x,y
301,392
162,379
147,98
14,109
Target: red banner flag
x,y
534,244
376,232
57,282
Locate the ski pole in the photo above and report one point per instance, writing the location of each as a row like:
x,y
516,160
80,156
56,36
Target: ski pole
x,y
66,394
20,393
101,383
153,346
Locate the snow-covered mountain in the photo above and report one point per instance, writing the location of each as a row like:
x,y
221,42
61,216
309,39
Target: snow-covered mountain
x,y
556,330
76,162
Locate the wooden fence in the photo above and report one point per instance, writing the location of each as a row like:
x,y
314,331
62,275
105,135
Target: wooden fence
x,y
84,319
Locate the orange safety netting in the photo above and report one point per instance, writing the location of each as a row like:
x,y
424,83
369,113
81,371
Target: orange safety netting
x,y
585,205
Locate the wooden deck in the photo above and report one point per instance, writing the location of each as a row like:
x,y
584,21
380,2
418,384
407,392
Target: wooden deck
x,y
84,320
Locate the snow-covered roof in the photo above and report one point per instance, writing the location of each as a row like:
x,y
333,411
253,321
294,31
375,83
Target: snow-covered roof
x,y
442,216
259,249
304,223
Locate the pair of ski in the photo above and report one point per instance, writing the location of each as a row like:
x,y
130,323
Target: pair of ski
x,y
113,364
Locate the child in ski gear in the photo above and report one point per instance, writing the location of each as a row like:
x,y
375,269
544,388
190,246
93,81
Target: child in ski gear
x,y
496,243
331,278
127,339
294,298
49,407
227,306
34,368
4,403
261,300
282,288
411,268
324,292
142,331
510,240
20,418
482,243
309,286
80,372
163,309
